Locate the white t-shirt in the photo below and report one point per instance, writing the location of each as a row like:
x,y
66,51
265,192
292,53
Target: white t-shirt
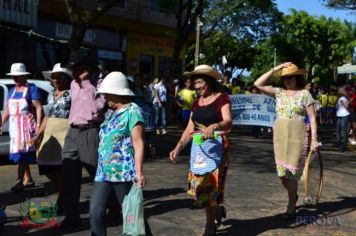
x,y
161,90
341,110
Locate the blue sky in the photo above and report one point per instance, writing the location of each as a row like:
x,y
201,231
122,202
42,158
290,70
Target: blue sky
x,y
315,8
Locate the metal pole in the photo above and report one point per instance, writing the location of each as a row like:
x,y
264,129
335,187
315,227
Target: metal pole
x,y
275,57
197,37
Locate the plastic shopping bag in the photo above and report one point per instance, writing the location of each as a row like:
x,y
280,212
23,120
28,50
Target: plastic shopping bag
x,y
132,212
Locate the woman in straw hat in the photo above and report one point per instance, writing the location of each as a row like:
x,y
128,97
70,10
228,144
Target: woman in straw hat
x,y
54,127
24,112
210,113
293,103
121,149
343,117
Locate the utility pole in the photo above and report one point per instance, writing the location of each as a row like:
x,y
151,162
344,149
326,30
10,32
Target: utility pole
x,y
275,57
197,41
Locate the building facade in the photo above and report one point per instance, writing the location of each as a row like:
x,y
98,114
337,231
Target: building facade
x,y
135,36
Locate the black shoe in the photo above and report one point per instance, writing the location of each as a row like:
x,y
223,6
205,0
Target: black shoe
x,y
17,188
67,224
29,184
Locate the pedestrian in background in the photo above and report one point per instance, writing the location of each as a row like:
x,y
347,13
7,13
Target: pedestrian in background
x,y
24,112
293,102
160,105
343,116
210,112
82,140
54,127
121,149
185,99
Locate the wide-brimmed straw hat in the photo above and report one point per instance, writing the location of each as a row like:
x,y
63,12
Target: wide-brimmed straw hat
x,y
204,70
18,69
115,83
291,70
57,68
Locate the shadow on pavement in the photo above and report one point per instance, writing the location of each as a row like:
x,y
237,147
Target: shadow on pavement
x,y
324,215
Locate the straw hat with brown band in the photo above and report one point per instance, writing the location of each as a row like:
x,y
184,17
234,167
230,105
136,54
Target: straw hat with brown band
x,y
291,70
204,70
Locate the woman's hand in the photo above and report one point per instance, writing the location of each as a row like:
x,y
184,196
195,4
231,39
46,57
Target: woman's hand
x,y
208,132
140,180
281,66
173,155
314,145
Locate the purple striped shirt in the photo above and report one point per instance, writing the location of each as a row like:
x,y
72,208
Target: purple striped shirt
x,y
86,106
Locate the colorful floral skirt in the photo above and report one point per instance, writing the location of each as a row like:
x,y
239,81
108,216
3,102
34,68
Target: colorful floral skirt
x,y
208,190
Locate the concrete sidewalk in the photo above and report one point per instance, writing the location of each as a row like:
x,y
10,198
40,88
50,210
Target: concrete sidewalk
x,y
254,196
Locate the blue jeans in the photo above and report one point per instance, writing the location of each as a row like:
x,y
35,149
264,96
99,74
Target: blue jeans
x,y
160,114
341,127
99,198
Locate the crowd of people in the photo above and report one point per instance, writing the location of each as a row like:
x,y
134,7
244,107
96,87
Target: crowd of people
x,y
97,119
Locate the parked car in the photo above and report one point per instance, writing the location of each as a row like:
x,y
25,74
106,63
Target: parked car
x,y
44,87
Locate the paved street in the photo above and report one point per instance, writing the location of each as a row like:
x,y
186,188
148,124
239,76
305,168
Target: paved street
x,y
254,197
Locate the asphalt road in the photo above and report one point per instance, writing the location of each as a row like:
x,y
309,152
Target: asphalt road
x,y
254,196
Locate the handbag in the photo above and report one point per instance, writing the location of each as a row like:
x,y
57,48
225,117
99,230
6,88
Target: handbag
x,y
132,212
205,155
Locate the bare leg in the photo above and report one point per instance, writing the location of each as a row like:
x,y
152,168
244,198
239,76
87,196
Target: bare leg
x,y
292,188
27,173
210,227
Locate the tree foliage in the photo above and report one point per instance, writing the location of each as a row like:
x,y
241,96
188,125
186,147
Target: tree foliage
x,y
82,15
318,44
233,28
341,4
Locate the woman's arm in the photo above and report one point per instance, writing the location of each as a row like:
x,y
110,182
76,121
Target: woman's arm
x,y
138,144
38,108
184,139
313,126
260,83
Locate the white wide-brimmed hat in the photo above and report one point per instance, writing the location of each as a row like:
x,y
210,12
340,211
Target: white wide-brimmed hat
x,y
204,70
57,68
18,69
115,83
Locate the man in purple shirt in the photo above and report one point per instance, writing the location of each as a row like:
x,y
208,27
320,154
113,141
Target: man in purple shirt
x,y
82,140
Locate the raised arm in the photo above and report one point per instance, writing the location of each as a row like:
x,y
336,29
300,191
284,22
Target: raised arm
x,y
260,83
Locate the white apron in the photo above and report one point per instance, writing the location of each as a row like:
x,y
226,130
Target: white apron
x,y
22,125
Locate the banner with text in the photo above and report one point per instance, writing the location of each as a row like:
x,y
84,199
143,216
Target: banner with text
x,y
253,109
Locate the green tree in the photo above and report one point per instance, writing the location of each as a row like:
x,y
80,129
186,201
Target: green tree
x,y
82,14
341,4
318,44
233,28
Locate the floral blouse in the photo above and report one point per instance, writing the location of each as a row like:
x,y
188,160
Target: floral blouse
x,y
116,161
293,106
59,108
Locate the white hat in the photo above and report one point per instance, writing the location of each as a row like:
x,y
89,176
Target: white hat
x,y
57,68
18,69
117,84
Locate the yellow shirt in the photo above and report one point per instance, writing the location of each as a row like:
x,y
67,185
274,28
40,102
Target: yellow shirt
x,y
235,90
323,98
187,97
332,101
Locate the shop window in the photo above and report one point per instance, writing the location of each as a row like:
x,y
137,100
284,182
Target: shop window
x,y
164,64
121,4
146,64
155,6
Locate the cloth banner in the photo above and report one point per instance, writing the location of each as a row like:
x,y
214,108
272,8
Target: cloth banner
x,y
253,109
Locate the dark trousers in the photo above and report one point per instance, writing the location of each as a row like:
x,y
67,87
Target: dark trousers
x,y
80,150
98,201
342,128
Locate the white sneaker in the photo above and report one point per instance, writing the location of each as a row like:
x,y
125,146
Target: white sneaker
x,y
164,131
157,132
